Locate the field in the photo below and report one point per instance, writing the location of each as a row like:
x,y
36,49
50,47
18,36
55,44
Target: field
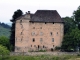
x,y
42,57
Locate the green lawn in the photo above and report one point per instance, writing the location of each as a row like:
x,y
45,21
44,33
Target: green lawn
x,y
42,57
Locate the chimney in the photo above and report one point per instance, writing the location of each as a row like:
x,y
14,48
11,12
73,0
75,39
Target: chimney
x,y
28,12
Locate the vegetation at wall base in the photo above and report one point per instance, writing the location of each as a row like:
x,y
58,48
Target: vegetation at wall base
x,y
42,57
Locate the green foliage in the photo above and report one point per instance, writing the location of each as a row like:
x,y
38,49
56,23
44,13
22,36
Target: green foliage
x,y
4,31
3,50
44,57
76,15
71,40
5,41
69,24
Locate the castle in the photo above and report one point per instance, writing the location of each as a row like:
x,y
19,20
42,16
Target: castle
x,y
42,30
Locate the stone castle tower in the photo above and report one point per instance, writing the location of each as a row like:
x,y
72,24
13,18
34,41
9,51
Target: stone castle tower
x,y
40,31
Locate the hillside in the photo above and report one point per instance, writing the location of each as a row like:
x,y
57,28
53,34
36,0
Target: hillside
x,y
4,30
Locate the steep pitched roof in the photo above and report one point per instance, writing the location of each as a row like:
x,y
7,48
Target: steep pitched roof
x,y
46,16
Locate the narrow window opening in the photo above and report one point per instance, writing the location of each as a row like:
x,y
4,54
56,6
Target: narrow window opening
x,y
41,33
45,22
40,27
53,45
51,33
53,22
38,46
31,45
51,49
43,46
33,27
41,39
21,33
20,21
57,32
33,39
52,39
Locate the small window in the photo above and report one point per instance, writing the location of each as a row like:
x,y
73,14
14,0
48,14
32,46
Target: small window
x,y
33,33
20,21
41,33
45,22
40,27
52,39
41,39
31,45
53,22
43,46
51,33
33,39
53,45
57,33
33,27
21,33
38,46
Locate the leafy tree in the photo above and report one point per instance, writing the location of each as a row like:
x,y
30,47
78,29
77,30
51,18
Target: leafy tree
x,y
69,24
71,40
4,41
3,50
16,14
76,15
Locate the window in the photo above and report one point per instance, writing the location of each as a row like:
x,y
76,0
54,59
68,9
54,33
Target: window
x,y
41,33
57,33
20,21
21,33
53,45
51,33
45,22
31,45
33,27
33,33
41,39
52,39
40,27
33,39
43,46
38,46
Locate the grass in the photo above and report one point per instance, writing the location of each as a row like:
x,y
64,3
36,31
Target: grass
x,y
42,57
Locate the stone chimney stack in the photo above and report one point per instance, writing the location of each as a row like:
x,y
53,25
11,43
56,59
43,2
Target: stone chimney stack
x,y
28,12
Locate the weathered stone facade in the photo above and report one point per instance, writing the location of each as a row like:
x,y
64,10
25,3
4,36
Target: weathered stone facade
x,y
35,35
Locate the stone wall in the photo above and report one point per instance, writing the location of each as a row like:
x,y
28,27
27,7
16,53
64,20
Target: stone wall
x,y
43,53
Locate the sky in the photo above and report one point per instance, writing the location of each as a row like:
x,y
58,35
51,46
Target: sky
x,y
64,7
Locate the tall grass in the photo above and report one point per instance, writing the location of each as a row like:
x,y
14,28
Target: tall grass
x,y
42,57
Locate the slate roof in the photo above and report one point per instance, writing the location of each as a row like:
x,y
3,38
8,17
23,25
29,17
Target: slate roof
x,y
46,16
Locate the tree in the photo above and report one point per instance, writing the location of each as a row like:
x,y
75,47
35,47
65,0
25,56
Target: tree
x,y
76,15
5,41
3,51
16,14
69,24
71,40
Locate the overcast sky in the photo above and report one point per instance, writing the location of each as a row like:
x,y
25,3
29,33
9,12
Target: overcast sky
x,y
64,7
